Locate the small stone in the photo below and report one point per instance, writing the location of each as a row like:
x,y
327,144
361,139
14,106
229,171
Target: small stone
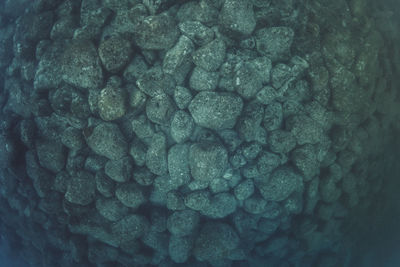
x,y
255,205
156,32
281,141
155,82
196,31
156,156
219,185
202,80
111,209
244,190
305,159
216,110
175,201
159,109
161,186
135,69
221,205
142,128
51,155
182,97
198,200
177,55
138,152
178,164
329,190
130,228
183,223
72,138
143,176
179,248
237,17
273,116
267,162
182,126
115,53
119,170
274,42
210,56
305,129
112,103
267,95
130,194
107,140
81,188
104,184
207,161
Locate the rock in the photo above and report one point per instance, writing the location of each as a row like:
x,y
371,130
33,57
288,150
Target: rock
x,y
329,190
182,126
112,103
216,110
305,130
135,69
220,206
267,95
142,128
111,209
64,28
267,162
248,126
274,42
183,223
82,55
182,97
197,32
202,80
81,188
273,116
210,56
179,248
130,194
155,82
215,241
156,32
119,170
198,200
18,102
281,184
204,12
219,185
115,53
175,201
161,186
207,161
244,190
138,152
237,17
305,159
104,184
72,138
130,228
143,176
176,56
107,140
281,141
156,156
51,155
255,205
178,164
8,153
159,109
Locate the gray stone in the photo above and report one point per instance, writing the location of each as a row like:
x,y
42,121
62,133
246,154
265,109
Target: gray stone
x,y
274,42
237,17
143,176
130,194
130,228
281,184
207,161
155,82
202,80
156,156
156,32
161,186
183,223
215,241
138,152
178,164
305,129
115,53
104,184
267,162
176,56
281,77
221,205
244,190
119,170
175,201
135,69
159,109
179,248
81,188
267,95
219,185
182,126
210,56
142,127
111,209
273,116
215,110
82,55
198,200
230,139
204,12
196,31
51,155
72,138
182,97
107,140
281,141
112,103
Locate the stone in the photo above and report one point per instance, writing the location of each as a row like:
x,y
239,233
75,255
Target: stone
x,y
202,80
112,103
51,155
329,190
162,185
183,223
281,141
281,184
176,56
72,138
305,159
175,201
178,164
219,185
267,95
159,109
107,140
216,110
130,194
115,53
8,153
197,32
237,17
179,248
143,176
104,184
305,129
111,209
182,126
156,156
210,56
155,82
207,161
135,69
255,205
138,152
267,162
274,42
130,228
244,190
81,188
215,241
143,128
157,32
220,206
182,97
82,55
273,116
197,200
119,170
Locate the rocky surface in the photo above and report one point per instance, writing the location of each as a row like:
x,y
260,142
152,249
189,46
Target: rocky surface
x,y
193,133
